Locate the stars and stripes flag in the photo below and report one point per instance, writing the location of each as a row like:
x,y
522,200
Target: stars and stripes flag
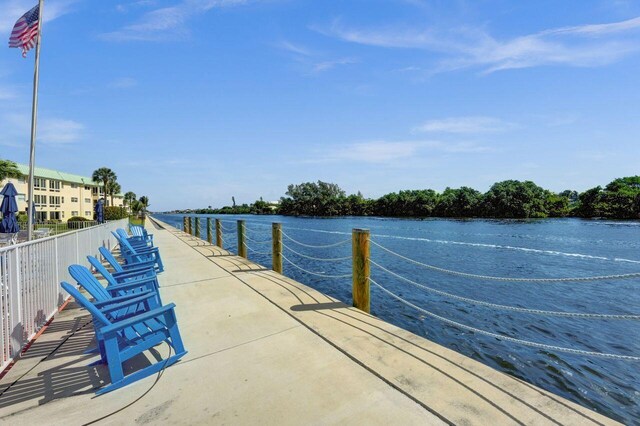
x,y
25,31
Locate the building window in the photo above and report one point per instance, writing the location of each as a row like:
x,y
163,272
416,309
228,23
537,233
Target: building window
x,y
74,199
54,201
87,200
74,185
54,215
41,216
40,200
39,183
54,185
87,213
74,213
87,188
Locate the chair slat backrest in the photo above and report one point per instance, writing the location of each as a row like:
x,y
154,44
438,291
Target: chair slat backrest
x,y
111,259
85,278
137,231
103,271
84,302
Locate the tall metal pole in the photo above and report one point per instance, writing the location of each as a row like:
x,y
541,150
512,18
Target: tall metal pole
x,y
34,122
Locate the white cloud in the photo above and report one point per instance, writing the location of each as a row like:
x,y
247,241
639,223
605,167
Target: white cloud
x,y
123,83
56,131
469,125
168,22
7,93
313,61
387,152
12,10
585,45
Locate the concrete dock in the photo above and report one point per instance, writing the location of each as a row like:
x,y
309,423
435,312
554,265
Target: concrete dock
x,y
264,349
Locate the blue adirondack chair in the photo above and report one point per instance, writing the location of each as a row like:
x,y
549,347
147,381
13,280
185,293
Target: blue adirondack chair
x,y
85,278
134,255
118,347
139,232
136,242
118,267
115,278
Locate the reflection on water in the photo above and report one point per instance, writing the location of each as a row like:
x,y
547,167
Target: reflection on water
x,y
507,248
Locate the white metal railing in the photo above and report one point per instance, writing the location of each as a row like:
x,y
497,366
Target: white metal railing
x,y
30,276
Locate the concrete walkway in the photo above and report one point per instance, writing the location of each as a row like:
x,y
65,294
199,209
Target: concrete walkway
x,y
266,349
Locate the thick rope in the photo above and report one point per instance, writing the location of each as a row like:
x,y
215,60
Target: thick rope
x,y
507,279
255,251
321,259
314,246
315,273
257,242
507,307
507,338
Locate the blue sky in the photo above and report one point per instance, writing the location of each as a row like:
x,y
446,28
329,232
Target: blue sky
x,y
192,102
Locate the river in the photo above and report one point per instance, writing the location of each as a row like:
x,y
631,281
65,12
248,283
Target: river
x,y
546,248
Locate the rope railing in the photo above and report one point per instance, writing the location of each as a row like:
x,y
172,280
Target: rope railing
x,y
254,251
318,274
320,259
257,242
339,243
507,279
503,337
507,307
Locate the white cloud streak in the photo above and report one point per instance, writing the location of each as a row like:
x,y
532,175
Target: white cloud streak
x,y
168,22
316,62
466,125
389,152
586,45
12,10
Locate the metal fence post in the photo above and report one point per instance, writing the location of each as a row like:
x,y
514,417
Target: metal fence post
x,y
242,247
361,270
276,235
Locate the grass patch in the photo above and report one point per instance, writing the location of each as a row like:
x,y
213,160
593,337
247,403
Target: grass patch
x,y
136,221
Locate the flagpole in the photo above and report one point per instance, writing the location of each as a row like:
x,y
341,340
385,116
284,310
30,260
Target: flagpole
x,y
34,122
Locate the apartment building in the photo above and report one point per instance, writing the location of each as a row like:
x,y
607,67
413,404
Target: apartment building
x,y
59,195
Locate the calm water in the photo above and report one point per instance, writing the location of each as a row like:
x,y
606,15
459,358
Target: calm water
x,y
509,248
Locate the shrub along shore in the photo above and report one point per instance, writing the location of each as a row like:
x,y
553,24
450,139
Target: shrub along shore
x,y
620,199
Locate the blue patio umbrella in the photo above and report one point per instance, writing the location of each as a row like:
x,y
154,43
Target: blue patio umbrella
x,y
99,209
8,208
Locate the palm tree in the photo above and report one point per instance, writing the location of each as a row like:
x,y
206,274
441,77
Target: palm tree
x,y
113,188
129,198
9,169
144,203
104,175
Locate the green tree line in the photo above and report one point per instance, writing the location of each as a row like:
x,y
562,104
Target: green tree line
x,y
620,199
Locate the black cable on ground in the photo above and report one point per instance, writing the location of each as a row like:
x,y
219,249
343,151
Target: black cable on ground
x,y
46,356
160,373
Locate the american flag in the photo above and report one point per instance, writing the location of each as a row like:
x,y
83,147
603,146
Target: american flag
x,y
25,31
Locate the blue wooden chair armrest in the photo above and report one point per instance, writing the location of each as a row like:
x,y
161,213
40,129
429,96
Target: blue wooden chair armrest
x,y
120,299
135,273
138,265
150,296
134,284
129,322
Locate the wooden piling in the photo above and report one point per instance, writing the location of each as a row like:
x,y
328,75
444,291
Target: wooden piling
x,y
361,270
209,231
218,233
184,224
242,247
276,235
197,233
